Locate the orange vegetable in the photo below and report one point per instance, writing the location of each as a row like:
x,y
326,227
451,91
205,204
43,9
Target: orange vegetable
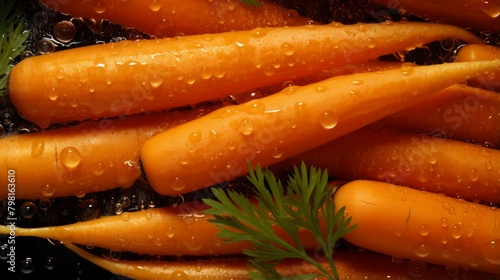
x,y
172,17
127,77
216,147
408,223
354,265
427,163
480,14
475,52
176,231
84,158
459,112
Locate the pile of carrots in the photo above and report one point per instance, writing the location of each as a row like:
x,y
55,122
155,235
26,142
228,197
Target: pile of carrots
x,y
418,148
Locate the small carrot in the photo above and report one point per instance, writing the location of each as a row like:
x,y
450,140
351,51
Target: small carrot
x,y
482,15
408,223
476,52
216,147
459,112
166,18
175,231
354,265
127,77
427,163
84,158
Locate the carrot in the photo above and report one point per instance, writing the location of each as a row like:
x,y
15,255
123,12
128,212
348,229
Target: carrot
x,y
476,52
216,147
167,18
175,231
84,158
427,163
458,112
350,265
408,223
127,77
482,15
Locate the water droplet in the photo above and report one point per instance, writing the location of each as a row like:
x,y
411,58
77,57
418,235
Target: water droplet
x,y
52,94
407,71
424,230
155,81
488,165
155,5
44,204
27,266
416,268
444,222
88,210
99,169
64,31
456,231
100,7
473,175
195,137
276,152
80,193
287,49
446,253
491,251
115,255
328,119
117,208
125,201
178,184
49,263
422,250
47,190
4,251
28,210
178,274
44,46
37,149
246,127
70,157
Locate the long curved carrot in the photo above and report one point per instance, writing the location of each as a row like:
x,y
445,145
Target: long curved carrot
x,y
167,18
216,147
482,15
88,157
408,223
354,265
427,163
476,52
133,77
460,112
175,231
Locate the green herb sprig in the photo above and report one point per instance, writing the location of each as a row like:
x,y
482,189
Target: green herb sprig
x,y
254,3
305,204
12,41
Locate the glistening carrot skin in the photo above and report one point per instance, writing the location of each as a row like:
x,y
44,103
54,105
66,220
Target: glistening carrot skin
x,y
475,52
84,158
408,223
128,77
175,231
427,163
460,112
354,265
166,18
482,15
216,147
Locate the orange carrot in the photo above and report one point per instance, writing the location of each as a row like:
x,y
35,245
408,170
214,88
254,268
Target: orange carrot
x,y
133,77
216,147
84,158
167,18
459,112
427,163
175,231
475,52
354,265
482,15
408,223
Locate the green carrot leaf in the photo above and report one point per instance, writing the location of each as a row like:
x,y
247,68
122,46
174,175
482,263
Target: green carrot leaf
x,y
305,204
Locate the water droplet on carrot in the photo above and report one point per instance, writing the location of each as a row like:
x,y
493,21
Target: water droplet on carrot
x,y
170,232
328,119
178,184
424,230
491,251
47,190
37,149
490,8
422,250
194,137
117,208
100,7
276,152
70,157
288,49
246,127
456,231
155,5
99,169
